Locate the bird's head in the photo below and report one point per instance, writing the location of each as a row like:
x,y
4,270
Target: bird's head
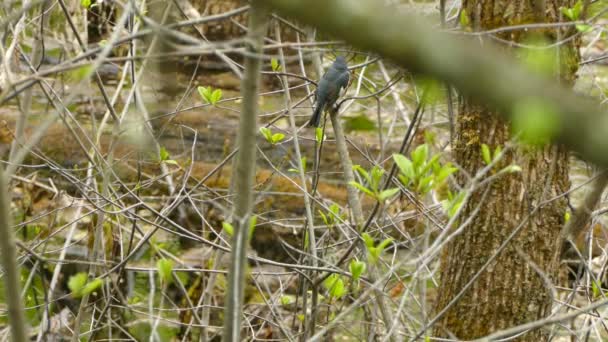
x,y
341,63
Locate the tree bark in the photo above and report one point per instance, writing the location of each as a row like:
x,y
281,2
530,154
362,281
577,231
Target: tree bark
x,y
521,209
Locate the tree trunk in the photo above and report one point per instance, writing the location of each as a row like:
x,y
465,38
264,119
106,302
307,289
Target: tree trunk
x,y
520,209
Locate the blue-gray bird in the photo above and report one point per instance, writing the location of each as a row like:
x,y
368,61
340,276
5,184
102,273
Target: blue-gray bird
x,y
329,89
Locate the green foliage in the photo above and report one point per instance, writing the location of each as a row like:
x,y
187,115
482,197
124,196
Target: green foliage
x,y
512,169
80,286
229,228
165,270
212,96
464,19
422,173
319,136
335,286
303,161
536,120
374,252
596,287
91,286
164,157
453,203
357,268
288,299
373,179
253,221
488,156
333,215
270,137
76,283
574,12
274,63
85,3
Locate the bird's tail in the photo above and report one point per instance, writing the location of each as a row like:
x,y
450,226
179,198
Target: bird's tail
x,y
315,120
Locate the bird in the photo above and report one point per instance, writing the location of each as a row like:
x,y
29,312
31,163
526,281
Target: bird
x,y
331,86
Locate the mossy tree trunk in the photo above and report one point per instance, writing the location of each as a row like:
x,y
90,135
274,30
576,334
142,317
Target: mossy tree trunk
x,y
514,288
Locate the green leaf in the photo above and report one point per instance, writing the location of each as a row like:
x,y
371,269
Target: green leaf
x,y
287,299
85,3
425,184
215,96
464,19
165,268
454,203
76,283
373,255
266,133
431,165
274,63
319,134
568,12
171,161
577,9
445,171
362,172
369,241
536,120
512,168
405,166
567,216
362,188
386,194
204,92
163,154
228,228
277,137
420,155
91,286
486,155
597,289
574,12
335,209
384,243
497,152
357,268
376,176
253,221
335,286
324,218
583,28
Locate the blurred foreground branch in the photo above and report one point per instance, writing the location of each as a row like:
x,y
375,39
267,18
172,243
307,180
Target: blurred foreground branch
x,y
245,172
483,73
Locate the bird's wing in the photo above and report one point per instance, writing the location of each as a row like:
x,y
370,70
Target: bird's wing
x,y
343,82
